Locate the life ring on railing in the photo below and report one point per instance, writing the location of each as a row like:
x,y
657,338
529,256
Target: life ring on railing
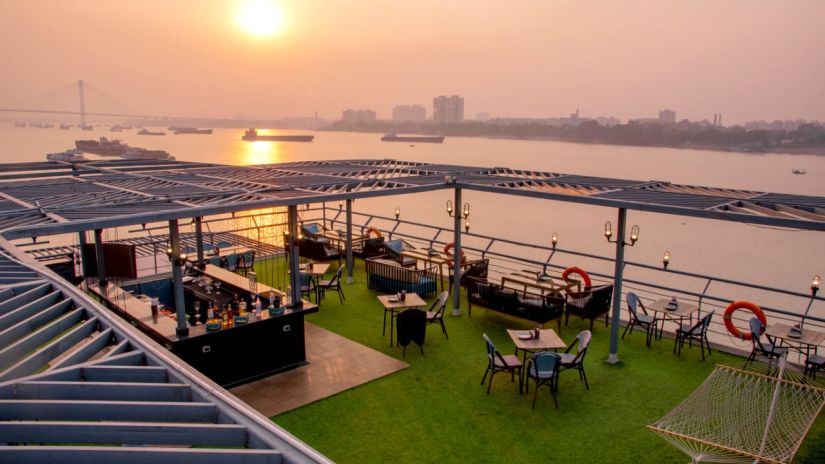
x,y
448,250
374,230
752,307
577,270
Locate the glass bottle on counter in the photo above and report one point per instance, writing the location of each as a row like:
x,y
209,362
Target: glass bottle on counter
x,y
225,317
230,314
257,305
242,307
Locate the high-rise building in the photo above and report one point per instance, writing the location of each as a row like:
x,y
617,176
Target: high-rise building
x,y
448,109
350,115
668,116
409,113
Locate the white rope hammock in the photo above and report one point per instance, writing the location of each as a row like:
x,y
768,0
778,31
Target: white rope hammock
x,y
741,416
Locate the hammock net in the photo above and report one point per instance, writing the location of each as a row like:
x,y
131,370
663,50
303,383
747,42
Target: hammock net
x,y
757,415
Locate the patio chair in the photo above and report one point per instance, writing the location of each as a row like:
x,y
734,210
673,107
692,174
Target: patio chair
x,y
308,286
496,362
411,326
231,261
698,331
223,244
215,260
333,283
246,262
569,360
470,270
643,320
543,368
590,304
437,316
394,248
813,364
769,349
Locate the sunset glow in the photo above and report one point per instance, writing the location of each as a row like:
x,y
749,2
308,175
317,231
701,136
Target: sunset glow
x,y
260,18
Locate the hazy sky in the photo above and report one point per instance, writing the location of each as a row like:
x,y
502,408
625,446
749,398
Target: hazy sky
x,y
748,59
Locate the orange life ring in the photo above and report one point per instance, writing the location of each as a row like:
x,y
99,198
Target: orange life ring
x,y
577,270
448,250
375,231
756,310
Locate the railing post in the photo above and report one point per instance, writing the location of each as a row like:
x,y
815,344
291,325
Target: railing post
x,y
83,257
294,272
615,320
177,279
457,254
199,239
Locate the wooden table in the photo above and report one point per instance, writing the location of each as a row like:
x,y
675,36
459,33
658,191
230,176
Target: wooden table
x,y
393,305
809,338
437,259
340,240
683,309
548,340
317,270
544,286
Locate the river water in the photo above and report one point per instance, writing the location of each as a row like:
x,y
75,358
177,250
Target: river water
x,y
761,255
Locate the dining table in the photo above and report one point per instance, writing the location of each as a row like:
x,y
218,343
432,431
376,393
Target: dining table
x,y
394,304
674,312
526,342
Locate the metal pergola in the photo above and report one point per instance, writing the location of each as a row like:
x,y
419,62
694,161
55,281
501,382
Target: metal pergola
x,y
40,199
147,395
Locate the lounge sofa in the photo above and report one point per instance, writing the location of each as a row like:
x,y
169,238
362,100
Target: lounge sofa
x,y
394,248
388,276
522,304
318,250
590,304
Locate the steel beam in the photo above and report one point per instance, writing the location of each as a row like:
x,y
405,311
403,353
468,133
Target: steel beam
x,y
349,242
615,320
108,455
104,391
457,253
199,239
94,410
101,262
292,249
177,280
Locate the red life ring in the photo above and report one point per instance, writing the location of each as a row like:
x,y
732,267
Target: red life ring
x,y
448,250
756,310
577,270
374,230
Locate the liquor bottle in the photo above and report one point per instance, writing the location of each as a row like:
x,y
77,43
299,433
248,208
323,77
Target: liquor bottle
x,y
225,317
242,308
210,312
230,314
257,305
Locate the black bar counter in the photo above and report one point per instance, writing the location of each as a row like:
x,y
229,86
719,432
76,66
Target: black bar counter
x,y
231,355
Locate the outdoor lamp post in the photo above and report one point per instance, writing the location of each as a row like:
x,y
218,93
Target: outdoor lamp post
x,y
465,211
814,289
608,234
666,259
554,239
340,205
466,225
397,212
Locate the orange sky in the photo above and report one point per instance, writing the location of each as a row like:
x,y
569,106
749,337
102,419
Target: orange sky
x,y
748,59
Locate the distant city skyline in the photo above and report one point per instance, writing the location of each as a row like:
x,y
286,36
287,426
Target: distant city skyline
x,y
748,60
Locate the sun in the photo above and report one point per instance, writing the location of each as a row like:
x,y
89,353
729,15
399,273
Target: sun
x,y
260,18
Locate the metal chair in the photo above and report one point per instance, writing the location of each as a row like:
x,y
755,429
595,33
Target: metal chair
x,y
437,316
569,360
333,283
769,349
813,364
411,325
496,362
698,331
246,262
543,368
231,262
642,320
308,286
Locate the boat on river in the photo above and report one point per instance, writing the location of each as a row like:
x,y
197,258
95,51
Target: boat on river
x,y
148,132
191,130
145,154
799,171
393,137
102,147
71,155
251,135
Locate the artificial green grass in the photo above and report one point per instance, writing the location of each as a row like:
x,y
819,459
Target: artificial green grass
x,y
437,411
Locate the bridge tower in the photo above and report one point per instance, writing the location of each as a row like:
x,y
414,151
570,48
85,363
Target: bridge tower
x,y
82,104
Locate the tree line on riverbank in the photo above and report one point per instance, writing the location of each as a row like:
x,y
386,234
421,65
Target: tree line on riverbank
x,y
807,137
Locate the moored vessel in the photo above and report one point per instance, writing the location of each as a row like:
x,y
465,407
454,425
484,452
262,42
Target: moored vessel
x,y
392,137
191,130
70,155
251,135
103,146
144,154
148,132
